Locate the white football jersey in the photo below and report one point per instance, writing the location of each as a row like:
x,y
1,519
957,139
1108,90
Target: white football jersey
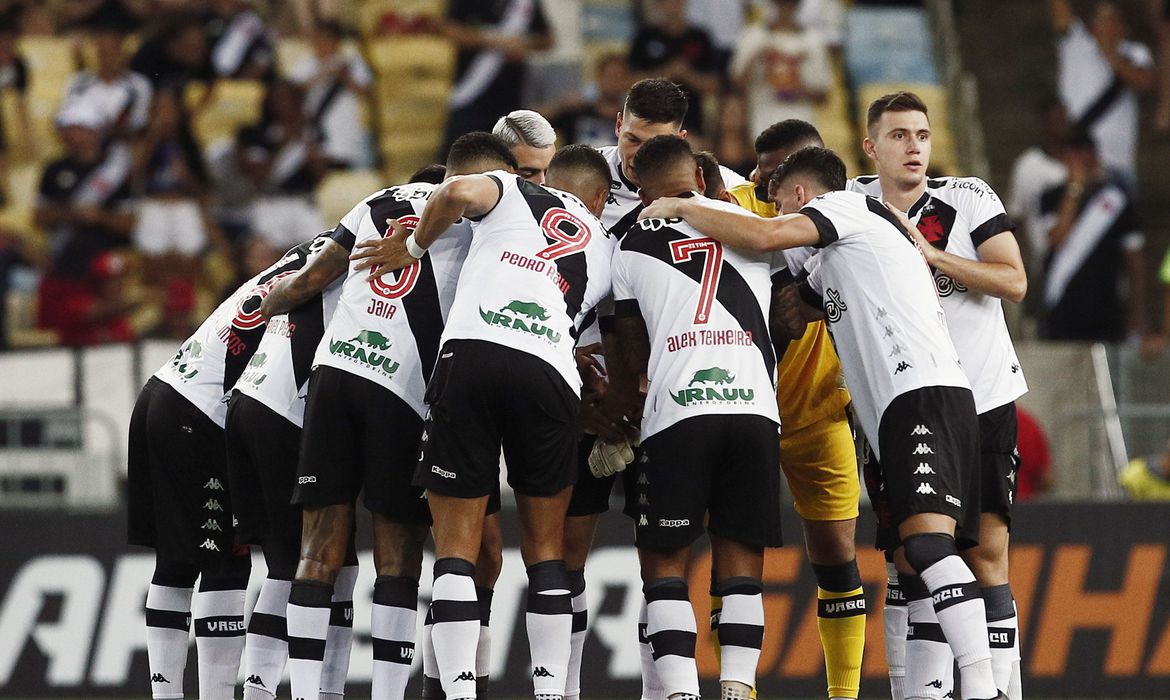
x,y
706,311
278,374
209,362
880,305
388,330
957,214
539,263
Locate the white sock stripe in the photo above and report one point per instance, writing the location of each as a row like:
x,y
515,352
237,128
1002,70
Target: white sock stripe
x,y
213,603
679,612
742,610
168,598
946,572
273,598
308,622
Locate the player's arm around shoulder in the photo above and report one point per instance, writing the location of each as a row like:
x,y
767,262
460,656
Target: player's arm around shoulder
x,y
735,227
329,262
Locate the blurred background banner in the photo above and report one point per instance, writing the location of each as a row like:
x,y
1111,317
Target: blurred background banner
x,y
1092,582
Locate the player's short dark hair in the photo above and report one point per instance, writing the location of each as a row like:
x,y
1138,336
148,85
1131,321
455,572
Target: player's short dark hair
x,y
661,153
1079,139
657,100
826,166
580,160
477,147
433,173
901,101
787,135
712,176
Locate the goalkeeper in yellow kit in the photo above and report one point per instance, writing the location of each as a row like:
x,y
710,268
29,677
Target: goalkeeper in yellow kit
x,y
817,453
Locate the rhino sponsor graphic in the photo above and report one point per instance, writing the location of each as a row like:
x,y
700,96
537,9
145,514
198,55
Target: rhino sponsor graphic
x,y
373,339
189,353
255,374
366,348
714,392
522,316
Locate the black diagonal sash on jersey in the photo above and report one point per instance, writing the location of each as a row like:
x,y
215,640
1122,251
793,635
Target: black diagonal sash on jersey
x,y
424,314
1102,104
307,327
733,294
573,268
623,224
877,208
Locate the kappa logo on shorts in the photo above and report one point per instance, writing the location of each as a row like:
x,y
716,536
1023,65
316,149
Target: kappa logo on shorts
x,y
954,501
436,469
923,449
213,484
642,522
209,545
923,468
211,524
921,429
673,522
307,479
212,504
925,488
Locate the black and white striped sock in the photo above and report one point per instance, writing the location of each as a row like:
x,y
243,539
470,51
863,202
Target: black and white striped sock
x,y
308,627
455,627
671,630
928,661
483,653
741,629
217,609
894,616
651,684
392,624
266,645
168,629
577,640
339,639
550,626
1002,632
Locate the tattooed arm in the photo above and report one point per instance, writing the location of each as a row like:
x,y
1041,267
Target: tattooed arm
x,y
324,267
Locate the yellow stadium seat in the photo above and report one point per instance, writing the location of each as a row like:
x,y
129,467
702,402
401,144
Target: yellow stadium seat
x,y
371,11
234,103
342,189
411,59
50,62
289,52
408,151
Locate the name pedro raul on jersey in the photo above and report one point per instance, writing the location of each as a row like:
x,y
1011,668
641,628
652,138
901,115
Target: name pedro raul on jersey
x,y
387,330
706,310
539,262
208,363
878,297
958,214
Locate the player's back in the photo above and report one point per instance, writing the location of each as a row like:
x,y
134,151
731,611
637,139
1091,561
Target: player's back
x,y
706,310
387,330
208,363
878,297
539,261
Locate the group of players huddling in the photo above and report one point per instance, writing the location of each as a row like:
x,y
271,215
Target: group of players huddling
x,y
588,313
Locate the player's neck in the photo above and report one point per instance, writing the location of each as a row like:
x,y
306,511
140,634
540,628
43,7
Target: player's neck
x,y
899,196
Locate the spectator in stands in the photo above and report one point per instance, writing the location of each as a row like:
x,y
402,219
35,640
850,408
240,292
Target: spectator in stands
x,y
84,204
825,18
1036,170
732,142
1094,246
14,78
590,120
494,40
117,95
784,71
174,229
1148,478
175,55
1160,18
1100,73
1034,475
283,157
336,83
242,47
723,22
668,47
128,13
1156,342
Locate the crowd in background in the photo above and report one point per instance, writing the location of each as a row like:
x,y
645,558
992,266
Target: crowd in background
x,y
143,226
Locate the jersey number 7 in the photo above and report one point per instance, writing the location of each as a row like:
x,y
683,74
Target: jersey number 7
x,y
682,251
407,277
